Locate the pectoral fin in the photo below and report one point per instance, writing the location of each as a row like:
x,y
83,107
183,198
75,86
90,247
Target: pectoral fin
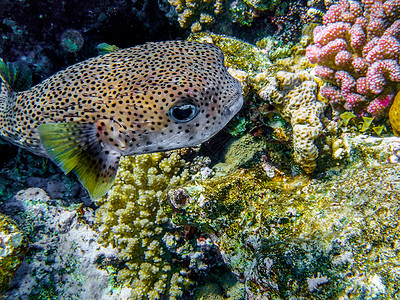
x,y
75,147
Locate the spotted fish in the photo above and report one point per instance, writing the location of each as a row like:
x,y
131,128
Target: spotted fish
x,y
149,98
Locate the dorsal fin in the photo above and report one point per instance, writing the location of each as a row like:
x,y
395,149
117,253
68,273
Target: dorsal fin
x,y
75,147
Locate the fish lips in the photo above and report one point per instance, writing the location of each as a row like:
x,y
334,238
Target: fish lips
x,y
234,106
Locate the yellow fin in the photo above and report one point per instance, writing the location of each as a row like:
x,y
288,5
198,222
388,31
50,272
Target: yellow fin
x,y
75,147
6,92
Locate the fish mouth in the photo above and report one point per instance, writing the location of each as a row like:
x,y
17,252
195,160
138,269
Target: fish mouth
x,y
234,106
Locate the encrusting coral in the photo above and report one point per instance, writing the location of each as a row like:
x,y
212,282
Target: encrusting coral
x,y
195,14
293,238
13,247
357,49
131,219
295,97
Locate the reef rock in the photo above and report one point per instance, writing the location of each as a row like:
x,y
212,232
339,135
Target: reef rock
x,y
334,237
13,247
64,249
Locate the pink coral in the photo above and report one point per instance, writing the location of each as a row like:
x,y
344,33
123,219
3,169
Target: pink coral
x,y
333,94
325,72
343,58
332,32
362,85
357,36
387,47
329,51
358,48
378,105
360,65
313,53
379,71
353,100
346,81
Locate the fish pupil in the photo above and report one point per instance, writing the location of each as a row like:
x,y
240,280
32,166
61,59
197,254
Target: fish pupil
x,y
183,113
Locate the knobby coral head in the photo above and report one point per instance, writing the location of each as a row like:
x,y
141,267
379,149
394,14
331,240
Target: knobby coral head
x,y
357,50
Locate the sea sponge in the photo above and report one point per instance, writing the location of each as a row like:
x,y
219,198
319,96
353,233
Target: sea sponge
x,y
131,219
394,115
294,95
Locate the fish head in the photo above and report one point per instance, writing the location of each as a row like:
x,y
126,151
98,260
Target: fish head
x,y
194,98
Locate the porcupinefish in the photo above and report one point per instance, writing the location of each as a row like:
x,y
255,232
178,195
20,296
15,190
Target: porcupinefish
x,y
149,98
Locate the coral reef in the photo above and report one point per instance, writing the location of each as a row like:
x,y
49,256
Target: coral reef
x,y
332,237
294,95
197,14
357,49
285,84
63,249
13,247
244,222
244,11
282,19
239,55
131,219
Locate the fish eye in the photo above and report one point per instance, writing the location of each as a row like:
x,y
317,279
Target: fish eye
x,y
183,112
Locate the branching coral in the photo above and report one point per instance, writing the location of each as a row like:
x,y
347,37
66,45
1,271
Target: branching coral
x,y
131,219
195,14
357,48
285,85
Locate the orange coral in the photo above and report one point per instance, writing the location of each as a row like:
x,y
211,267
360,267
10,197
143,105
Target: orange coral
x,y
394,115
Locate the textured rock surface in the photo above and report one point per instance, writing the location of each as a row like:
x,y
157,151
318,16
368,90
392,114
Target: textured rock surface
x,y
13,247
329,237
64,257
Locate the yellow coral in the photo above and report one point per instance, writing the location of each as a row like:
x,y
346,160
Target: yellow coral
x,y
194,13
13,247
394,115
131,219
295,96
286,84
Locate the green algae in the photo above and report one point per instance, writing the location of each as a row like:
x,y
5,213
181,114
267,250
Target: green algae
x,y
336,236
13,247
238,54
